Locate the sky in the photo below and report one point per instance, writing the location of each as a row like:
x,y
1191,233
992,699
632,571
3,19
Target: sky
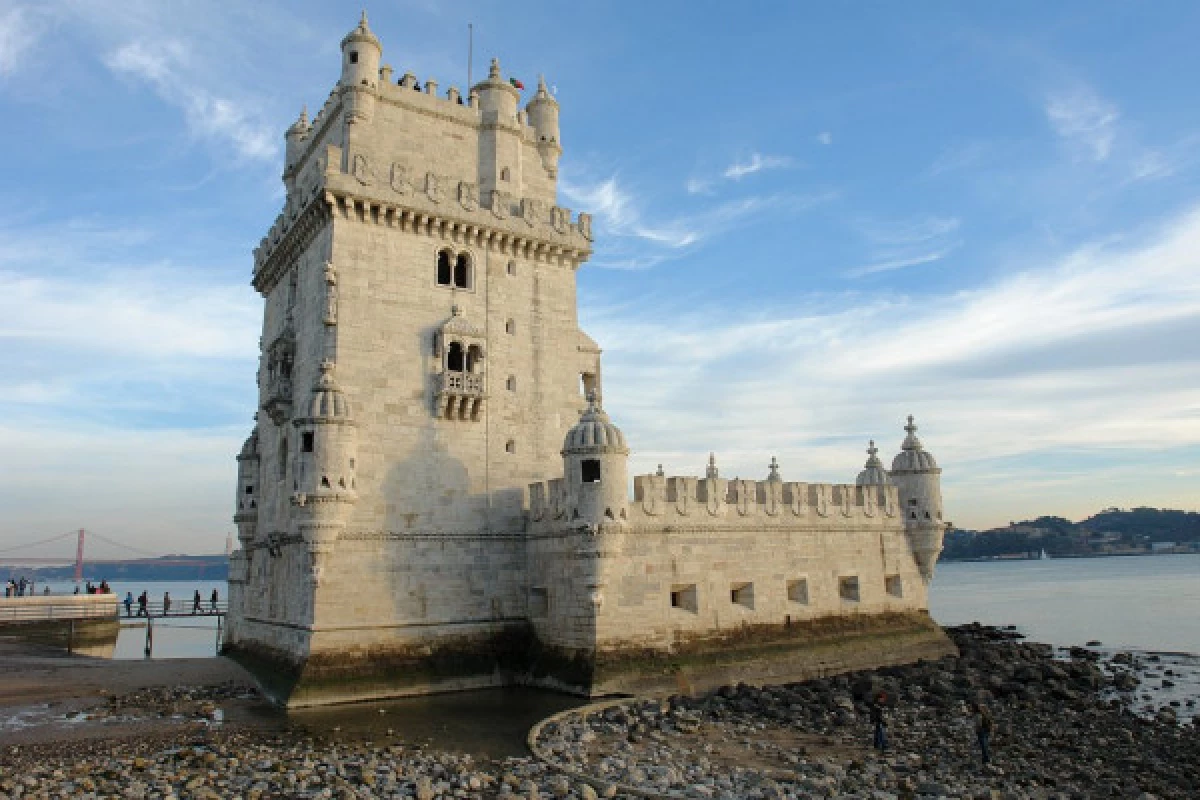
x,y
812,220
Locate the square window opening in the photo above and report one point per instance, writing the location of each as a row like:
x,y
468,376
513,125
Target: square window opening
x,y
539,601
894,585
742,594
797,591
848,588
683,596
591,470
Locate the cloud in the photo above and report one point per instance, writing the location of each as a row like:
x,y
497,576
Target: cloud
x,y
997,376
698,186
757,163
903,243
17,36
897,263
620,215
825,138
1085,121
166,66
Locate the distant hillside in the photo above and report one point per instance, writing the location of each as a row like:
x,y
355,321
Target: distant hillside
x,y
1113,531
166,568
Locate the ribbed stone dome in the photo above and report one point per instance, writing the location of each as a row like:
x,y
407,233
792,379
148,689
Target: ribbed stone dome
x,y
873,473
912,457
250,447
594,433
328,401
362,33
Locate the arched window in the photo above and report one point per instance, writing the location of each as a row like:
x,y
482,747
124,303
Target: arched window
x,y
462,271
443,267
454,357
474,355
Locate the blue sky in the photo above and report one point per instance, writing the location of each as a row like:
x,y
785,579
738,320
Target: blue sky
x,y
813,219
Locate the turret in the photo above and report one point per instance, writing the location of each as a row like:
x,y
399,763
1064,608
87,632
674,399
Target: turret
x,y
873,473
919,486
324,469
594,468
295,139
499,141
361,54
245,514
543,116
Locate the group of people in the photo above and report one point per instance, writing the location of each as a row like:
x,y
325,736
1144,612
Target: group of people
x,y
985,726
20,587
143,603
91,588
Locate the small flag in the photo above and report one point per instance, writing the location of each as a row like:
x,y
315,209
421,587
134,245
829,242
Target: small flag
x,y
516,83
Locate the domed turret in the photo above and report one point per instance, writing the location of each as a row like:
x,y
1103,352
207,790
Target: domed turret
x,y
295,139
327,441
245,514
361,54
919,486
873,473
594,465
497,95
542,111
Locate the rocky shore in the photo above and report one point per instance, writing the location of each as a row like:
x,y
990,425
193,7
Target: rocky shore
x,y
1076,724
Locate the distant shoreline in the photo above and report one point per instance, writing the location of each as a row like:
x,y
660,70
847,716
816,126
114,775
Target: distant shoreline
x,y
1067,557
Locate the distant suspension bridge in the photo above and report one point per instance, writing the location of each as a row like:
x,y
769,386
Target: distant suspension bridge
x,y
8,558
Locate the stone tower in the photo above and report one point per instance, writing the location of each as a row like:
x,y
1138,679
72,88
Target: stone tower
x,y
422,258
919,480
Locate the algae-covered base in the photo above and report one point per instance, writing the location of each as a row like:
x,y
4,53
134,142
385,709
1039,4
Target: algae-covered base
x,y
514,656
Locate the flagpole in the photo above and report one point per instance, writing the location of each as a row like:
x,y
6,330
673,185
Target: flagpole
x,y
470,54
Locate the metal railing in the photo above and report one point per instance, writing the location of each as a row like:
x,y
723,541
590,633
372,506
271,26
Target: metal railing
x,y
34,609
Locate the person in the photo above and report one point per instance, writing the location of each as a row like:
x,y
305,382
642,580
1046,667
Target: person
x,y
985,726
46,591
880,741
196,602
143,601
214,601
77,588
128,602
166,603
104,587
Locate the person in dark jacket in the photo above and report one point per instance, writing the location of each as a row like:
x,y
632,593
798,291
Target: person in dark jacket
x,y
877,720
985,726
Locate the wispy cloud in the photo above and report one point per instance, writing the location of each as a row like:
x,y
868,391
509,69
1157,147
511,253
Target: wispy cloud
x,y
698,186
824,138
909,242
757,162
17,36
621,215
1084,120
164,65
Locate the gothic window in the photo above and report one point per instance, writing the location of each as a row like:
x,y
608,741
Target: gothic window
x,y
474,355
590,468
454,357
444,270
462,271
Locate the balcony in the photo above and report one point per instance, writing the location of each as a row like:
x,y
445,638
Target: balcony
x,y
460,395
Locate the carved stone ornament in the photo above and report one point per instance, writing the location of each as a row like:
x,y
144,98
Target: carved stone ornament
x,y
433,188
501,203
331,295
362,170
585,226
468,195
560,218
400,180
529,211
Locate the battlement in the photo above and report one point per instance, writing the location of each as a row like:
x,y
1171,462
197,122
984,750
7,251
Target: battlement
x,y
674,500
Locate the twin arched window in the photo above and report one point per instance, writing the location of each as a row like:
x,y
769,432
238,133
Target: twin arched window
x,y
454,269
460,359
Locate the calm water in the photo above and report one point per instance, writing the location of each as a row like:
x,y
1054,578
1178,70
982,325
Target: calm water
x,y
1137,602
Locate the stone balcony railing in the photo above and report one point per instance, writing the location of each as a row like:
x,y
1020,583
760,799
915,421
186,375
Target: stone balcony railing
x,y
461,383
277,401
460,395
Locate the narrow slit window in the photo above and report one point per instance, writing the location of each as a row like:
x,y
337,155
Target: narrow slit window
x,y
306,442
